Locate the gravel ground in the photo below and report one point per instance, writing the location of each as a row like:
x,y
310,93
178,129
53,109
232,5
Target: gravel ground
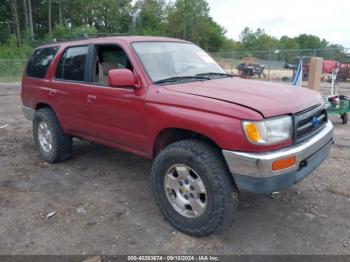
x,y
103,203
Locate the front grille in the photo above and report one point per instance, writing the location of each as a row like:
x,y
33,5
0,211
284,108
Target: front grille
x,y
308,123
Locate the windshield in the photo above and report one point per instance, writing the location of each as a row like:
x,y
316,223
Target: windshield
x,y
169,60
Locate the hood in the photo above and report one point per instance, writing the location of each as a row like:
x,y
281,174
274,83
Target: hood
x,y
268,98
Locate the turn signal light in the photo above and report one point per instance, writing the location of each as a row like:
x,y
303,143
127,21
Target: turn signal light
x,y
284,163
252,132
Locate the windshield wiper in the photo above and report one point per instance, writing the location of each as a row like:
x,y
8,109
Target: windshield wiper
x,y
180,78
215,74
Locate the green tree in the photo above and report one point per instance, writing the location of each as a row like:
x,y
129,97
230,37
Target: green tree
x,y
229,45
288,44
150,17
310,42
190,20
6,27
110,16
185,19
257,40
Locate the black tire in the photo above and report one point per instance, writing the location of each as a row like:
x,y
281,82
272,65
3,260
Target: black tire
x,y
344,117
61,143
208,162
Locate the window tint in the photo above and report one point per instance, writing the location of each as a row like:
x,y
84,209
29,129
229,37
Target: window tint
x,y
40,61
72,64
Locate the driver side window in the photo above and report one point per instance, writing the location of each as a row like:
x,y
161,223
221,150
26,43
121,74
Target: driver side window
x,y
108,57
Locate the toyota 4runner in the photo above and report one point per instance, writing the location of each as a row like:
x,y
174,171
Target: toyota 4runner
x,y
210,135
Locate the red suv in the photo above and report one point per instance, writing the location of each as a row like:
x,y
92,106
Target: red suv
x,y
210,134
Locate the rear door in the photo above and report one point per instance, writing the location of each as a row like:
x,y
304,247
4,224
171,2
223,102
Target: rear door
x,y
68,91
35,83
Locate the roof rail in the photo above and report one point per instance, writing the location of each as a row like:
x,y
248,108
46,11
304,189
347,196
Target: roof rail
x,y
91,35
60,40
88,36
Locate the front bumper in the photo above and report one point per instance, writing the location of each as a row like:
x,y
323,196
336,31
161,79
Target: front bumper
x,y
253,171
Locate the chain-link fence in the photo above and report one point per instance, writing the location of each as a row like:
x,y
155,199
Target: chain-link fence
x,y
11,70
280,64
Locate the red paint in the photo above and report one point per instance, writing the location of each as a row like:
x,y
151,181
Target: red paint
x,y
121,78
132,118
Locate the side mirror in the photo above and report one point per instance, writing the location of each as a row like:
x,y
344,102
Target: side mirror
x,y
121,78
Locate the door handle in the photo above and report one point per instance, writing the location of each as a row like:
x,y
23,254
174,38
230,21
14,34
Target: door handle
x,y
91,98
52,92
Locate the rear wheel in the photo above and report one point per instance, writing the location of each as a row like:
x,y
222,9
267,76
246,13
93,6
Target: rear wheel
x,y
193,188
53,144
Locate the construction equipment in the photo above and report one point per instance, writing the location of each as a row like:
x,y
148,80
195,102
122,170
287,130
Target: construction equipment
x,y
250,68
337,104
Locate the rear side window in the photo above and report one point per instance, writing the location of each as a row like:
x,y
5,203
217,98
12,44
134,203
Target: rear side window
x,y
72,64
40,61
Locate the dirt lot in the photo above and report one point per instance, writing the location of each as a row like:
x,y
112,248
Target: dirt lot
x,y
104,205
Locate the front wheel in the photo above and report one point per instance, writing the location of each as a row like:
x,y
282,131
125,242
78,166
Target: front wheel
x,y
193,188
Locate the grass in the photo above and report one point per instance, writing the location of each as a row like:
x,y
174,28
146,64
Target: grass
x,y
9,79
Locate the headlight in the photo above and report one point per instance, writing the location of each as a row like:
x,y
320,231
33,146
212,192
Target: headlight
x,y
268,132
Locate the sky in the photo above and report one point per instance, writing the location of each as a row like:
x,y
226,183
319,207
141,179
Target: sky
x,y
323,18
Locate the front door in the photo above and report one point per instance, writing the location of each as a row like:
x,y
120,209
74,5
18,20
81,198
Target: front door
x,y
117,114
